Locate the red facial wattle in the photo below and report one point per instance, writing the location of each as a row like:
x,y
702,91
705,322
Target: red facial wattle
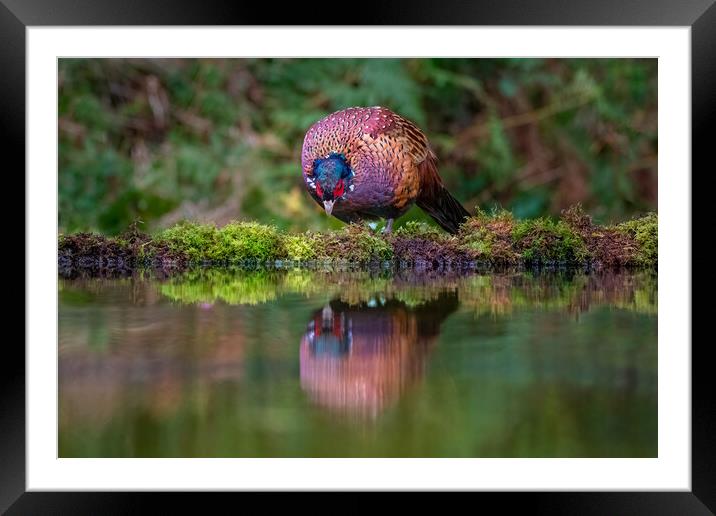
x,y
339,189
319,190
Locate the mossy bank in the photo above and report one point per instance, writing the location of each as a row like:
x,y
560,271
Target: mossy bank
x,y
492,240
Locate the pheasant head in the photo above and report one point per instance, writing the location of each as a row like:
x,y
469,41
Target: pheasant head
x,y
332,179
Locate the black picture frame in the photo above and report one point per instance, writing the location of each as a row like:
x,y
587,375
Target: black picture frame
x,y
700,15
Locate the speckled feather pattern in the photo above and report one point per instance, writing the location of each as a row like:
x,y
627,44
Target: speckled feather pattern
x,y
389,155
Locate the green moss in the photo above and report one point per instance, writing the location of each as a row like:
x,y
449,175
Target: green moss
x,y
235,242
645,232
480,244
193,240
545,241
417,229
302,247
496,238
489,237
356,243
241,241
364,245
249,241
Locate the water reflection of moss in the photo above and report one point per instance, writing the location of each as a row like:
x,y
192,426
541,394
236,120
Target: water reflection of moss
x,y
208,286
74,297
240,286
486,294
501,294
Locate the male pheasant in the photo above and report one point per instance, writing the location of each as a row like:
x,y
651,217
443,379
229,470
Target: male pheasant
x,y
370,163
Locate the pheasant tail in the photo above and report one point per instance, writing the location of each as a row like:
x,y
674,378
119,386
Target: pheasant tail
x,y
436,201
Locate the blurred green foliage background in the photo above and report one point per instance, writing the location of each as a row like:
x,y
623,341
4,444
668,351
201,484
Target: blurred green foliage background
x,y
162,140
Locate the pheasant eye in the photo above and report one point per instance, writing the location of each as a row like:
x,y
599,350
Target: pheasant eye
x,y
319,190
340,188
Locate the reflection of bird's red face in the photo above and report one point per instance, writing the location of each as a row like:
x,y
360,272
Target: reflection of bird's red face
x,y
328,333
358,359
335,325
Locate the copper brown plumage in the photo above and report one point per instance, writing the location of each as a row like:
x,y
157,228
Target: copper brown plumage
x,y
367,163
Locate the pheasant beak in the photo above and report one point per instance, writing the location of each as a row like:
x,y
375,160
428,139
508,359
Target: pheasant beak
x,y
329,206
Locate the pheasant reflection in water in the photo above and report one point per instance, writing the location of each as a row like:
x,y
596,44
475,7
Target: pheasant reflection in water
x,y
360,358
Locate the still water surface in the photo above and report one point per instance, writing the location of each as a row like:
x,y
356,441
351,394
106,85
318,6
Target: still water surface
x,y
374,364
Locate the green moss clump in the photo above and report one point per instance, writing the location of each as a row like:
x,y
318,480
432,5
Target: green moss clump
x,y
356,243
496,239
545,241
192,240
417,229
241,241
302,247
235,242
364,245
489,237
249,241
645,232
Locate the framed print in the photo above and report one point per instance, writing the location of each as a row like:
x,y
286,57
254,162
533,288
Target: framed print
x,y
414,256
